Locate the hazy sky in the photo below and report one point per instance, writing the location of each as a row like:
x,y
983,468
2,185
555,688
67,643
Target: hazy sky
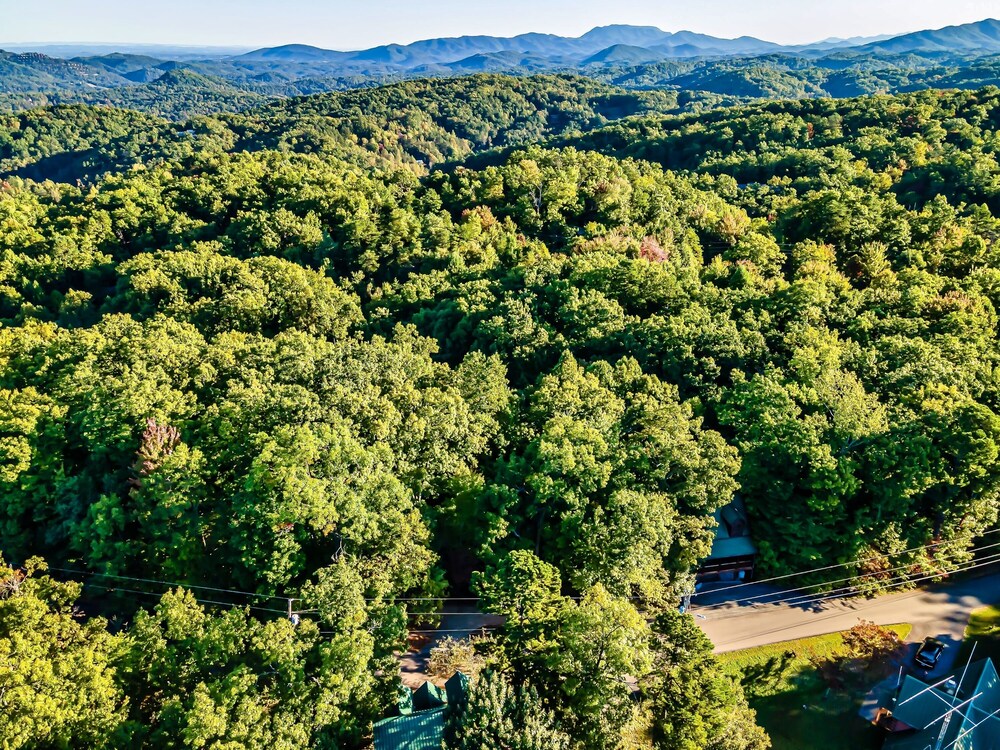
x,y
353,24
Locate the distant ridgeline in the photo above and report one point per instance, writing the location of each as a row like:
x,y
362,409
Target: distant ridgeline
x,y
628,56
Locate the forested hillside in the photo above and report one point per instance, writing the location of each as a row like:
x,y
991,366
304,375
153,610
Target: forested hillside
x,y
416,124
273,357
844,73
882,217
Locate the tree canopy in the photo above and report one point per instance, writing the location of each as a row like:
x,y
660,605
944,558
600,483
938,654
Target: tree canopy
x,y
271,363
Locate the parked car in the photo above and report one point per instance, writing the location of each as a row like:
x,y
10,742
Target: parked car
x,y
929,653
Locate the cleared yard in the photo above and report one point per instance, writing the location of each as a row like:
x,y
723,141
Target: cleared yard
x,y
795,704
984,630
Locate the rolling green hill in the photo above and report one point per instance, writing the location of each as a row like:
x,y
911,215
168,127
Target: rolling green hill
x,y
415,124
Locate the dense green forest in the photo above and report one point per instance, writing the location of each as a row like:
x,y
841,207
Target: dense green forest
x,y
279,355
842,74
415,124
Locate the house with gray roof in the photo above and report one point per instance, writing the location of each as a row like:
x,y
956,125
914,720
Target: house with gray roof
x,y
733,550
959,712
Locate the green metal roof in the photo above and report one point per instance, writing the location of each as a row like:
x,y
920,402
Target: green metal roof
x,y
969,728
979,730
734,546
726,545
989,685
907,741
429,696
423,730
421,723
456,689
917,706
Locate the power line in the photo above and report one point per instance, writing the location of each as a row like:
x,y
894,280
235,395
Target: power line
x,y
397,600
902,580
835,593
113,589
825,583
237,592
472,631
105,587
469,631
171,583
817,600
817,618
989,561
794,601
839,565
986,561
258,595
425,599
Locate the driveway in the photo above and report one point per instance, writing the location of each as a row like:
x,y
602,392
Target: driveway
x,y
458,621
941,610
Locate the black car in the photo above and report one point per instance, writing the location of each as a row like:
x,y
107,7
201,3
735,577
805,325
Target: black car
x,y
929,653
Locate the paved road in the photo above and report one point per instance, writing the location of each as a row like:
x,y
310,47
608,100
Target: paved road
x,y
941,610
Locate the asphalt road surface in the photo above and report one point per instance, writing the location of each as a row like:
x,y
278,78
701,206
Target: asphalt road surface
x,y
941,611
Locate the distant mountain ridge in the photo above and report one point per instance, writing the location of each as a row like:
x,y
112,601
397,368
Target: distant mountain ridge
x,y
632,57
983,36
626,43
569,49
160,51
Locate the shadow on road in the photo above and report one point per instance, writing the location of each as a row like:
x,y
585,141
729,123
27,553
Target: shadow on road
x,y
723,596
941,610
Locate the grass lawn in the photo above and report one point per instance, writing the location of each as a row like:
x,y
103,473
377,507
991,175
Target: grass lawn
x,y
792,701
983,630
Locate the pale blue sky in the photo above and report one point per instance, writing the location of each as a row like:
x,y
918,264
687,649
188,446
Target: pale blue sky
x,y
354,24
